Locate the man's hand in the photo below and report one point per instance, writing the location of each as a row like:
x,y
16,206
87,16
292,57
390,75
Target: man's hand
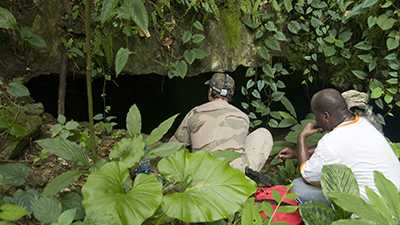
x,y
287,153
310,129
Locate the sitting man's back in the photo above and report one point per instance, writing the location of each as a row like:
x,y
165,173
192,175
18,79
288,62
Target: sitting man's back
x,y
218,125
361,147
214,125
351,140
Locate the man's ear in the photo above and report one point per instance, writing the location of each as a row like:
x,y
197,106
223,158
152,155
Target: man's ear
x,y
326,115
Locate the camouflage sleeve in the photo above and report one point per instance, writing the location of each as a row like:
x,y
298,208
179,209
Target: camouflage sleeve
x,y
182,134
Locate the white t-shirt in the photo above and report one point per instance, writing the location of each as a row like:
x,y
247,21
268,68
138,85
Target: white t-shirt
x,y
360,147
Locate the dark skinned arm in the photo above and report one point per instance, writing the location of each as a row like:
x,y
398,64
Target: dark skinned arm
x,y
304,153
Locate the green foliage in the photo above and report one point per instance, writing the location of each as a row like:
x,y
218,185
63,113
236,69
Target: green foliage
x,y
138,13
46,209
133,121
104,124
11,212
206,7
17,117
178,68
111,188
128,10
164,150
121,59
65,149
17,89
33,39
66,217
64,129
381,208
7,19
295,131
250,213
203,179
193,52
24,199
263,93
226,155
314,213
160,131
338,178
251,210
396,148
13,174
73,200
60,182
316,38
231,24
128,151
108,10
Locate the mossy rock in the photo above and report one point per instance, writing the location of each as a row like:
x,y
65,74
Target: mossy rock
x,y
16,129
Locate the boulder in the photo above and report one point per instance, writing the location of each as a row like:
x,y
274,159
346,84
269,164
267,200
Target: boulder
x,y
228,42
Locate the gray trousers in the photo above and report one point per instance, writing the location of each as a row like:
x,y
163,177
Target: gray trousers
x,y
308,192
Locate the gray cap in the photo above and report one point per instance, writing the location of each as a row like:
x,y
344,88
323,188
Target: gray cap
x,y
355,98
222,83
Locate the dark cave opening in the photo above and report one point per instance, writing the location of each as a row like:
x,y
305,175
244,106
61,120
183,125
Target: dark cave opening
x,y
159,97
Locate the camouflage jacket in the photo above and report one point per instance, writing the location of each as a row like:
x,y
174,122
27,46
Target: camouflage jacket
x,y
215,125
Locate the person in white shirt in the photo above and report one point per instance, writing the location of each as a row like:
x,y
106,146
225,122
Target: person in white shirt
x,y
351,140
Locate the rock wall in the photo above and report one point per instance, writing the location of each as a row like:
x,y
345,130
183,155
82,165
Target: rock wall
x,y
149,56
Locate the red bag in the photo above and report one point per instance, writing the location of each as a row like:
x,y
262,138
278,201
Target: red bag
x,y
265,194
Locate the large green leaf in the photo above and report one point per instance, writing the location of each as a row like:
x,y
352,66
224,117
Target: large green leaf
x,y
314,213
60,182
7,20
392,43
338,178
32,38
73,200
66,217
378,202
355,204
212,189
160,131
133,121
250,213
226,155
18,90
13,174
385,22
389,192
352,222
137,12
128,151
11,212
121,59
65,149
23,198
288,105
164,150
46,210
108,10
109,199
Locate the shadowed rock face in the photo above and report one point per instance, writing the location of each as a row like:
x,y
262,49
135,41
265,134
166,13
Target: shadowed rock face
x,y
150,55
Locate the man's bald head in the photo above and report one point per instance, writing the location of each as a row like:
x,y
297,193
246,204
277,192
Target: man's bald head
x,y
328,100
330,108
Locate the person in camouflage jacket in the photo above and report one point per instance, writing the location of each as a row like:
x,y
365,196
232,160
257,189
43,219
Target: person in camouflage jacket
x,y
218,125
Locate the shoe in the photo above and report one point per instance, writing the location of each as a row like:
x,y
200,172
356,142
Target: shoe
x,y
258,177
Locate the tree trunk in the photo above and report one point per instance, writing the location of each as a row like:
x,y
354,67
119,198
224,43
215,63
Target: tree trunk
x,y
88,49
62,84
